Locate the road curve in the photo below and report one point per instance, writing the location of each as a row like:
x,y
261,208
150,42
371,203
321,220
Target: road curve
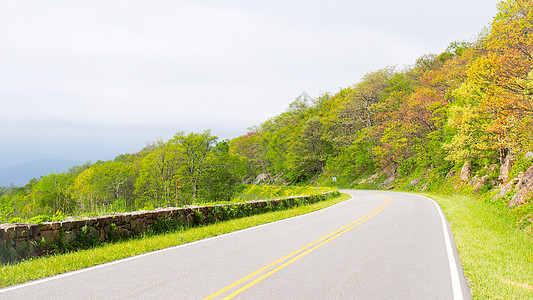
x,y
377,245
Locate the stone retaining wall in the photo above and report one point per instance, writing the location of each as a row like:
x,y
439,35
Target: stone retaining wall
x,y
24,237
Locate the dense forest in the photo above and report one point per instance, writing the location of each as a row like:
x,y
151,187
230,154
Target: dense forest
x,y
470,105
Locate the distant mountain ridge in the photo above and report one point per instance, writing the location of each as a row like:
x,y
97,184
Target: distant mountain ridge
x,y
21,174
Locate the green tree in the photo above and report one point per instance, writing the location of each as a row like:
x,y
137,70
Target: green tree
x,y
157,184
104,183
224,173
52,194
193,155
309,152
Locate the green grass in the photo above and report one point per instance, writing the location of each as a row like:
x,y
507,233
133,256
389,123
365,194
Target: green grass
x,y
497,256
52,265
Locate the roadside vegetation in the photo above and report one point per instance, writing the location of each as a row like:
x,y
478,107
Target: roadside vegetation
x,y
89,234
497,256
57,264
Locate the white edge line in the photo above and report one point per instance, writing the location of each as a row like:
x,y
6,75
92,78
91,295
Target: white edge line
x,y
454,271
71,273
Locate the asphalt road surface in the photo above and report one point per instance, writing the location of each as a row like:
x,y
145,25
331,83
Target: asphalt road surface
x,y
378,245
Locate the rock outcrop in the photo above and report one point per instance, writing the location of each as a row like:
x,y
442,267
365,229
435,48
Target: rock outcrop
x,y
525,188
370,179
492,168
505,169
267,178
466,171
450,174
479,183
506,188
387,183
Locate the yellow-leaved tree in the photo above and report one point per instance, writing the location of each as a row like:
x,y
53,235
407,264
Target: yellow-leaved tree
x,y
494,106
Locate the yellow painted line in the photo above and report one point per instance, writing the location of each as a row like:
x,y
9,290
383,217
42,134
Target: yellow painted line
x,y
297,254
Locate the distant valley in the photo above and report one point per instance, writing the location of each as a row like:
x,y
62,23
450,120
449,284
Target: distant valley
x,y
21,174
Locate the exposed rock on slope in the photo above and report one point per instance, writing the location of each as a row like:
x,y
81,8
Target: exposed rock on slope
x,y
525,187
479,183
466,171
505,169
267,178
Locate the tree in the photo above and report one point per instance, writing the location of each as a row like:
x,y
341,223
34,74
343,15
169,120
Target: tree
x,y
249,147
193,153
104,183
225,171
157,184
309,152
52,193
358,111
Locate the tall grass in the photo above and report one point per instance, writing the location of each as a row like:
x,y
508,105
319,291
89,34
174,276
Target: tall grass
x,y
497,256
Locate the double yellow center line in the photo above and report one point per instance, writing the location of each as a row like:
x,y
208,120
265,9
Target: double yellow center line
x,y
294,256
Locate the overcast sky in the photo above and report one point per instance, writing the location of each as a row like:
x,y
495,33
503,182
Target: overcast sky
x,y
88,80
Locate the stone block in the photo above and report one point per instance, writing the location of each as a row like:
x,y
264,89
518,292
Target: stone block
x,y
35,231
127,218
70,236
165,214
206,210
9,243
91,231
56,225
24,248
66,225
136,225
46,226
9,232
50,236
149,216
106,221
176,213
77,224
119,219
90,222
102,235
22,232
126,226
107,229
114,219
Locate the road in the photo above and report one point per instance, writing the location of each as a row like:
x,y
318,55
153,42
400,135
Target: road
x,y
377,245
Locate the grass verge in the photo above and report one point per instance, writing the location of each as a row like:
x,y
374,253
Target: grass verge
x,y
497,257
57,264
